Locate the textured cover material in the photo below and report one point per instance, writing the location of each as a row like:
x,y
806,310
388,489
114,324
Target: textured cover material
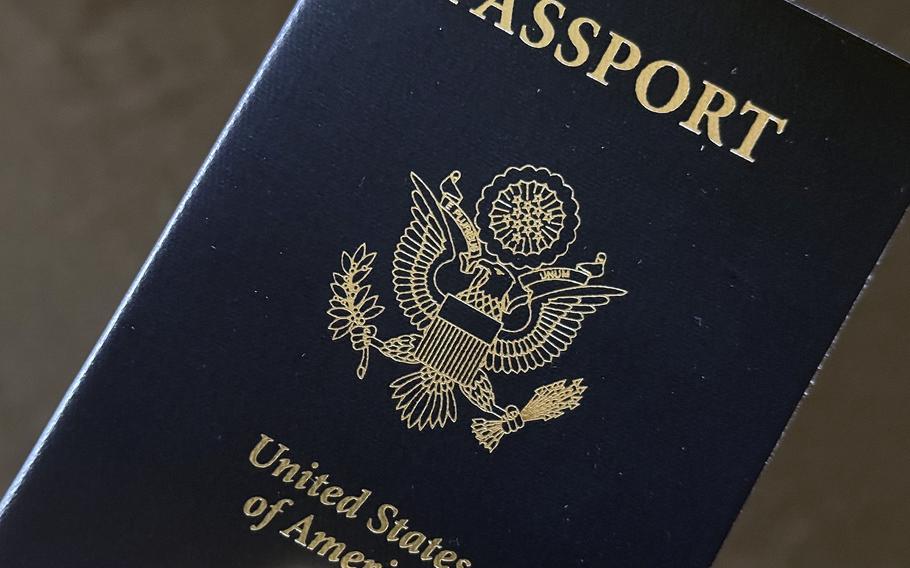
x,y
482,284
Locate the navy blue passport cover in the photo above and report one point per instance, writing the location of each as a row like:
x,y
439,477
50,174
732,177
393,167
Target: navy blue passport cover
x,y
580,319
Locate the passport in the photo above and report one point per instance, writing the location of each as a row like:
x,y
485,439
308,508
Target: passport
x,y
473,283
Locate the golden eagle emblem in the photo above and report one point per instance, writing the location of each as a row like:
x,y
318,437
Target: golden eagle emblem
x,y
485,297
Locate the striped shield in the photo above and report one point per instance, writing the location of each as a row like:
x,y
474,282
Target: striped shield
x,y
456,342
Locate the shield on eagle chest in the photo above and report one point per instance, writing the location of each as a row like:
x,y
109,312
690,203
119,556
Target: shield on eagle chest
x,y
456,342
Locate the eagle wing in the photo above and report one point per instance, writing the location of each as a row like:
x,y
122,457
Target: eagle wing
x,y
553,323
424,246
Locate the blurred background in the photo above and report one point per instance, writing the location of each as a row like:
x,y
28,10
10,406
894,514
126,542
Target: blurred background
x,y
107,109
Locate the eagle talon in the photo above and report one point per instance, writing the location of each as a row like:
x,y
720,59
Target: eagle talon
x,y
512,420
362,337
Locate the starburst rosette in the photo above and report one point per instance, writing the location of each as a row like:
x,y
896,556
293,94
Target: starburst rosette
x,y
528,217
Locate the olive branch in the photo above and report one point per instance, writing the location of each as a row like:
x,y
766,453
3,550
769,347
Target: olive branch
x,y
352,306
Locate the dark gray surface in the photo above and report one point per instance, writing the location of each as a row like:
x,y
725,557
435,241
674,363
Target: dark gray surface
x,y
107,110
